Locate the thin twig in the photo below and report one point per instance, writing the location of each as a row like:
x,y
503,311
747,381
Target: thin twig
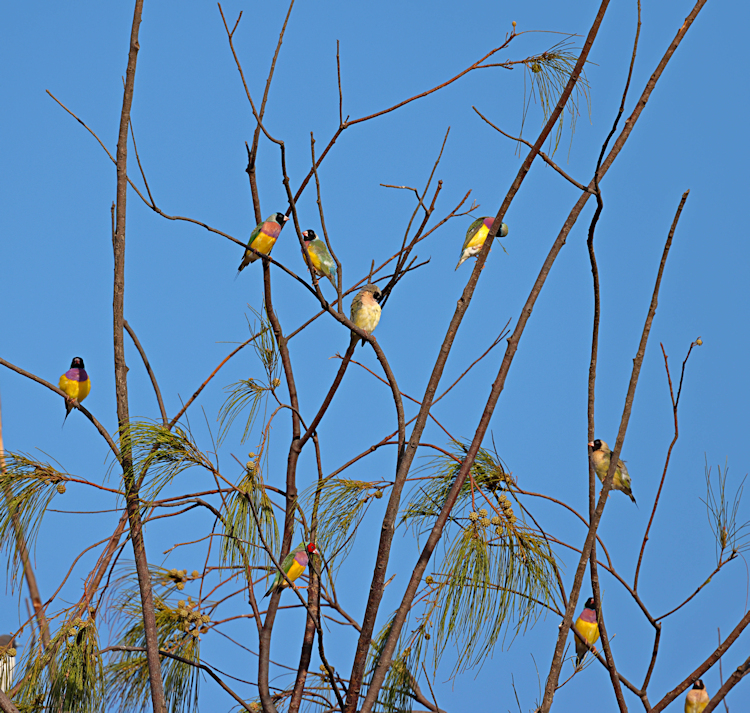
x,y
675,402
150,371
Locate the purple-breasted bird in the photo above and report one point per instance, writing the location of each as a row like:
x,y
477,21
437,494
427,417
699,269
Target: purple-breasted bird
x,y
76,384
262,239
476,235
588,627
294,565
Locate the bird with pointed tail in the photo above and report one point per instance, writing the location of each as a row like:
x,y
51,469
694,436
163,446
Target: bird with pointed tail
x,y
320,258
365,309
294,565
76,384
7,660
262,239
600,458
588,627
476,235
697,698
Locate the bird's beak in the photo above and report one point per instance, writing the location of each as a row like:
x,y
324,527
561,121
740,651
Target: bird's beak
x,y
304,232
591,444
286,217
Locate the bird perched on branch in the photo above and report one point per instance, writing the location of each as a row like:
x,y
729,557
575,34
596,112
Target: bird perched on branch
x,y
7,660
600,456
263,239
476,235
320,258
697,698
76,384
587,626
365,310
294,565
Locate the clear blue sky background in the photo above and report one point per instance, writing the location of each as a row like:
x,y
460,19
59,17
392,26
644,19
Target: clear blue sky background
x,y
191,121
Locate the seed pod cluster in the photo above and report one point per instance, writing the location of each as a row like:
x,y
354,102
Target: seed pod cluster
x,y
193,622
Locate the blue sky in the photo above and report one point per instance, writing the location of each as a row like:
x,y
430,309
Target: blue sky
x,y
191,120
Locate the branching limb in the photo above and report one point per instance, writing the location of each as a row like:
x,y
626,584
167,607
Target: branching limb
x,y
463,304
705,666
739,673
121,383
607,484
675,402
543,155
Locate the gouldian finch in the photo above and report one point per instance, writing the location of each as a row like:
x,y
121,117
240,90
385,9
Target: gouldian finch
x,y
320,258
600,459
75,383
697,698
294,565
587,626
476,235
263,239
7,661
365,309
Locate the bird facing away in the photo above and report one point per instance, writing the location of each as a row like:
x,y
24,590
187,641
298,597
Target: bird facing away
x,y
7,661
365,310
697,698
587,626
294,565
76,384
600,460
320,258
263,239
476,235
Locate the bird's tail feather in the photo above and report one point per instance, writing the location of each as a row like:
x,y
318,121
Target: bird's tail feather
x,y
461,261
68,409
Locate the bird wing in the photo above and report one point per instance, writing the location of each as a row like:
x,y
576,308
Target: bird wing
x,y
255,233
322,257
471,233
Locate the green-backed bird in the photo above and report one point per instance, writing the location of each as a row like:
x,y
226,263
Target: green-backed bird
x,y
76,384
600,459
294,565
320,258
365,310
697,698
7,660
263,239
476,235
588,627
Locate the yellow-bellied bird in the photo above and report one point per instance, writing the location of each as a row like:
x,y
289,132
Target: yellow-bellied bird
x,y
294,565
320,258
587,626
476,235
600,459
262,239
697,698
7,661
76,384
365,310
